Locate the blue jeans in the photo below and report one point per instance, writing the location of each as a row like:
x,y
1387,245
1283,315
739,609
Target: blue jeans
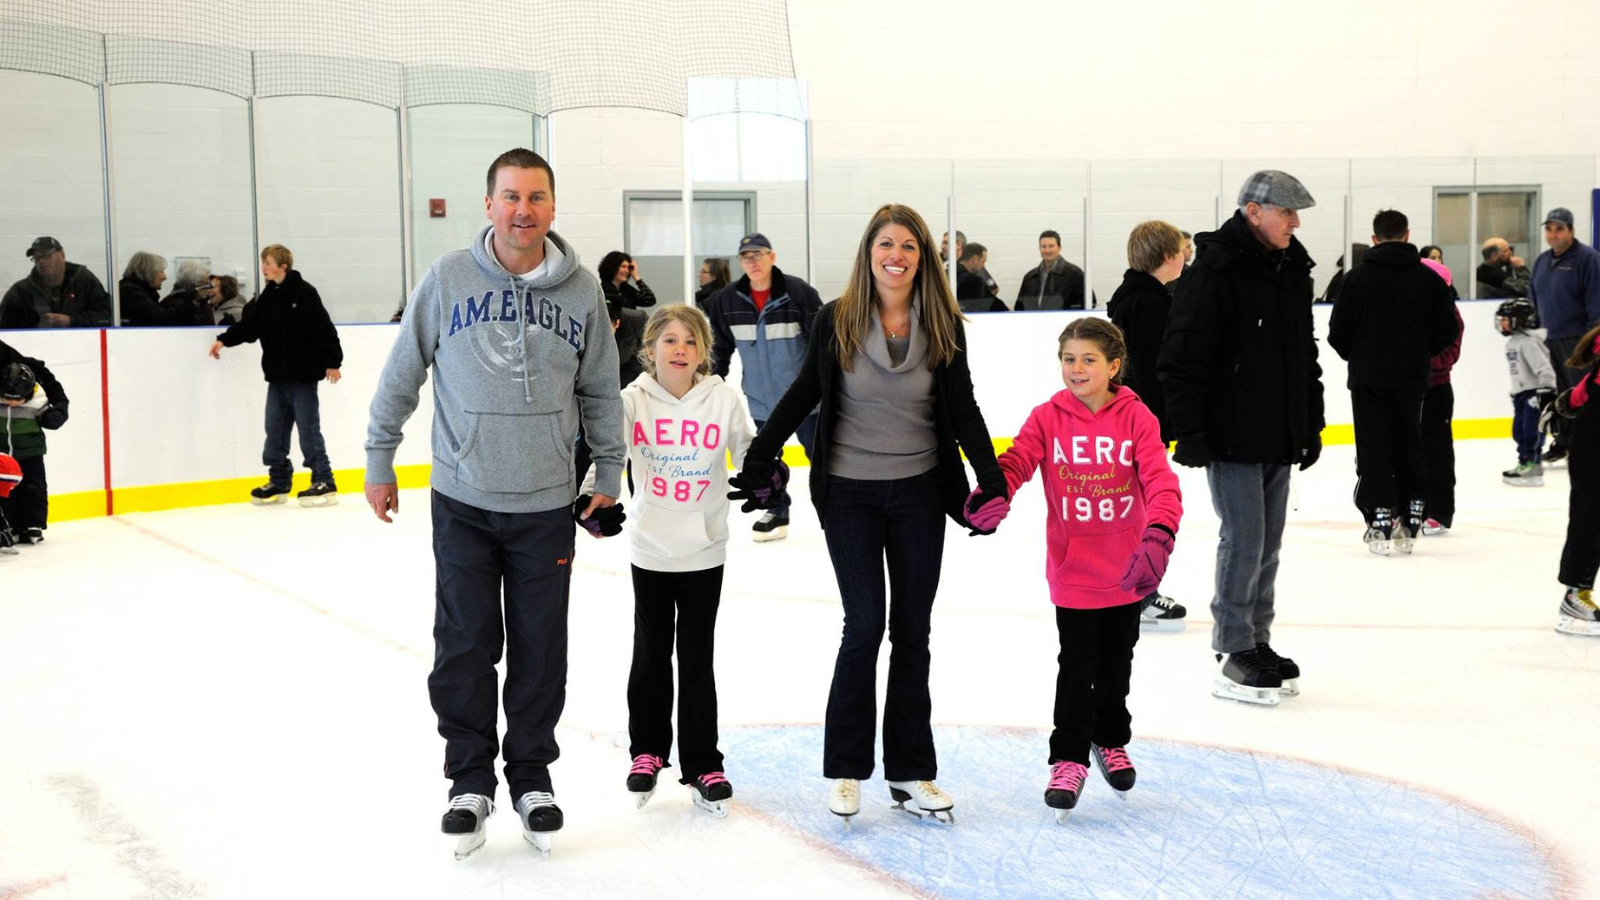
x,y
1252,500
1525,428
870,524
294,405
808,433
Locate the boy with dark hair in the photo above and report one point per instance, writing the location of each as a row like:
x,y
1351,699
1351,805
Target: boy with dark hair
x,y
1393,316
31,401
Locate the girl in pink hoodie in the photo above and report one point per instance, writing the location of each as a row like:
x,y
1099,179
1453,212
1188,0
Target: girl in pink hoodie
x,y
1113,509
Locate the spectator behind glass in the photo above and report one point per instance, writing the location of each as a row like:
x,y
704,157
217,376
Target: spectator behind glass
x,y
714,276
56,294
1502,273
619,278
190,300
140,290
226,303
972,288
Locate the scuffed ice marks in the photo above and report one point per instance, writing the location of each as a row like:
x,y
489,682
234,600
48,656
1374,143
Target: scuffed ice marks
x,y
102,823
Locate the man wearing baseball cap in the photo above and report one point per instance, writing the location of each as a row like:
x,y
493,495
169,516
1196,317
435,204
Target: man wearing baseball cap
x,y
56,294
1566,291
1244,397
766,316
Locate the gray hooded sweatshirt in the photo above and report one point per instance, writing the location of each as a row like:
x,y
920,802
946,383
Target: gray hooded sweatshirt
x,y
516,367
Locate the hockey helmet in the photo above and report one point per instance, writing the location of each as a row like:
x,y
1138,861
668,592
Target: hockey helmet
x,y
1518,313
17,383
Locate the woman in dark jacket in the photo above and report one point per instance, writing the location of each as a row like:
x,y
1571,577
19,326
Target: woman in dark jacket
x,y
887,362
140,291
616,269
190,300
714,276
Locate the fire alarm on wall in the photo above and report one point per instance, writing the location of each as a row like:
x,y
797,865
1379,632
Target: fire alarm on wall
x,y
436,207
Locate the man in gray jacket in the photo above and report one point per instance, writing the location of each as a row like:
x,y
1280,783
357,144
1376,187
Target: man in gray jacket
x,y
519,343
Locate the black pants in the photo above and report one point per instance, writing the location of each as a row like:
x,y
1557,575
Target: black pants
x,y
29,503
1580,556
1095,666
694,596
479,555
1391,471
1439,450
869,524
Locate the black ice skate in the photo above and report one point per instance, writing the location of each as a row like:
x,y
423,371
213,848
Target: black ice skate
x,y
30,536
1115,767
465,819
770,527
540,817
321,493
1161,614
1578,613
8,542
1288,671
642,777
1247,678
929,800
712,793
1410,527
1381,532
1066,783
268,494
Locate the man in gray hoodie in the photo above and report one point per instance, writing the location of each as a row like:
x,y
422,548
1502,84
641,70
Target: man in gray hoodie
x,y
519,343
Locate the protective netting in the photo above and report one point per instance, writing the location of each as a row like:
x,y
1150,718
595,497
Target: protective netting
x,y
538,56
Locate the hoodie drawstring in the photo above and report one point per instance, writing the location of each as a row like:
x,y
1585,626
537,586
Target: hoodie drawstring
x,y
527,364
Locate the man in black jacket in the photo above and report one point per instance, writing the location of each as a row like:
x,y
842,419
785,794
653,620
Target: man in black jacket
x,y
1392,317
299,348
56,294
1244,397
1054,283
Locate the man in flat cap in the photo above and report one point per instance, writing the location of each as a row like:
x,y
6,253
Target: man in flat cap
x,y
1566,292
1244,396
56,294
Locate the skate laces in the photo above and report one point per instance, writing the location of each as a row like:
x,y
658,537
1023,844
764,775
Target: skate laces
x,y
645,764
847,788
1267,655
475,803
712,778
534,799
1163,601
1115,759
1067,775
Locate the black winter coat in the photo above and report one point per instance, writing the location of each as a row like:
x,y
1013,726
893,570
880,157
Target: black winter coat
x,y
298,340
55,415
81,297
959,420
1392,318
1140,307
1063,288
1239,362
141,305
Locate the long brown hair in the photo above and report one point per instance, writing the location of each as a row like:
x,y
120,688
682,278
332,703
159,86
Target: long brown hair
x,y
852,313
1103,334
1583,354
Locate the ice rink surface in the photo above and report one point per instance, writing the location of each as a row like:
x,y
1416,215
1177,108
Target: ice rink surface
x,y
230,702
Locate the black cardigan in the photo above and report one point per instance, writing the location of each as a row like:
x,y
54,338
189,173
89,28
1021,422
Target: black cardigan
x,y
959,420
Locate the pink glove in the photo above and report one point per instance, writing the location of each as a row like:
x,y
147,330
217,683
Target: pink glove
x,y
985,510
1149,561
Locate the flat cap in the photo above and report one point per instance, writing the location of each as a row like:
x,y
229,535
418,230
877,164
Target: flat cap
x,y
1275,188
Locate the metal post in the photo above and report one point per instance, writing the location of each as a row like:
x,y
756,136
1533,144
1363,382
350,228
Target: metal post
x,y
1349,229
1088,264
689,269
811,254
1472,231
407,227
106,193
255,185
950,230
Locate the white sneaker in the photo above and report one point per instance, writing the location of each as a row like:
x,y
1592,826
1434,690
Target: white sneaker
x,y
845,798
926,796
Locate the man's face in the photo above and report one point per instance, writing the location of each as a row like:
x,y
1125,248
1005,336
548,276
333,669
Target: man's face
x,y
1049,249
758,263
1188,251
522,208
1273,225
52,267
1558,236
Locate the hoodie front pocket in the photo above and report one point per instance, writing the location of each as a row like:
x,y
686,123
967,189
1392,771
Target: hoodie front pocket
x,y
512,453
664,532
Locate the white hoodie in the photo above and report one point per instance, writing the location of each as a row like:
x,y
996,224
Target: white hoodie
x,y
679,516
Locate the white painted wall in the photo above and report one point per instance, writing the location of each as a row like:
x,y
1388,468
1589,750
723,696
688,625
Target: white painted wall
x,y
191,418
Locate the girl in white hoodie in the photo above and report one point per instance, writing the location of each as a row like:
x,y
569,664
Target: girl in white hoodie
x,y
681,423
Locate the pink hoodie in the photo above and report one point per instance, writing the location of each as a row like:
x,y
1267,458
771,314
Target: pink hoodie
x,y
1107,478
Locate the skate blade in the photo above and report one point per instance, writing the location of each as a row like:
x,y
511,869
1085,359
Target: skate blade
x,y
10,551
324,500
468,843
776,534
1162,626
1524,482
539,839
1580,627
1062,815
718,808
1291,688
1404,545
946,816
270,501
1381,548
1225,689
642,797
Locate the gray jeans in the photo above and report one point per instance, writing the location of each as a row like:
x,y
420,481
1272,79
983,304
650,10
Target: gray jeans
x,y
1252,500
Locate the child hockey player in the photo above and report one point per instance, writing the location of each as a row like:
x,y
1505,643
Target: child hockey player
x,y
1533,387
1113,508
31,400
1580,557
680,422
299,347
10,477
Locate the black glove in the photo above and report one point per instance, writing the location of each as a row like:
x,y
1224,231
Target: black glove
x,y
759,484
1312,452
1541,399
53,416
603,522
1192,452
1551,414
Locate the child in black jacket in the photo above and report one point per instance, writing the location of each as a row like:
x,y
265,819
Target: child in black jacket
x,y
31,401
